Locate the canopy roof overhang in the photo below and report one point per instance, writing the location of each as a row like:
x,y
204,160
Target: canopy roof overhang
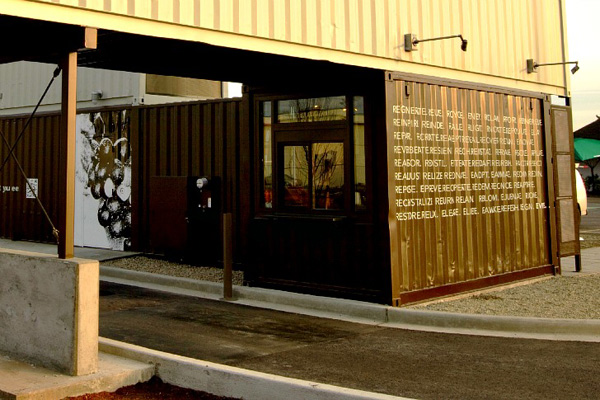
x,y
587,150
42,41
71,45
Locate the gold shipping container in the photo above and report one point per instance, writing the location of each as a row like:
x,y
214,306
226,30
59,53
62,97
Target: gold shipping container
x,y
467,187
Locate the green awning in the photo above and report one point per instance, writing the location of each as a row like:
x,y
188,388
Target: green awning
x,y
586,149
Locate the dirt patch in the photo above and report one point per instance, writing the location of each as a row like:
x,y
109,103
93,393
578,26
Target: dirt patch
x,y
154,389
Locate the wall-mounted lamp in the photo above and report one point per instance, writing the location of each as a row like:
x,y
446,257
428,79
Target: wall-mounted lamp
x,y
411,41
532,65
96,95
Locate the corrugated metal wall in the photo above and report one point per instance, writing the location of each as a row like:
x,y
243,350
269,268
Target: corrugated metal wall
x,y
38,154
468,191
191,139
502,34
200,138
184,87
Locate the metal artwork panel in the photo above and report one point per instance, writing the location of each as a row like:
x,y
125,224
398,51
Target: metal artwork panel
x,y
561,126
567,220
565,175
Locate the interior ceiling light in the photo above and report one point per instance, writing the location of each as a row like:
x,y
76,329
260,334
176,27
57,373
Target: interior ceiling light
x,y
532,65
411,41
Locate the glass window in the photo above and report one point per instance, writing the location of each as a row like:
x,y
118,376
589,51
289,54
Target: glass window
x,y
267,161
360,173
317,109
313,176
306,165
295,176
328,176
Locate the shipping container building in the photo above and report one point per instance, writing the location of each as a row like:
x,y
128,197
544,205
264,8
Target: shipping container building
x,y
387,150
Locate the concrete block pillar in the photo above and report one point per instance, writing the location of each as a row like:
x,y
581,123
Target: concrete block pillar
x,y
49,311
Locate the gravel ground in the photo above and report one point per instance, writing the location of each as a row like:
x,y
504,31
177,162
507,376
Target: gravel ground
x,y
164,267
555,297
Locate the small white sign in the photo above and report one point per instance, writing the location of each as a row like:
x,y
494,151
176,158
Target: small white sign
x,y
33,184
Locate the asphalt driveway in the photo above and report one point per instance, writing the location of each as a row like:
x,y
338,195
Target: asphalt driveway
x,y
399,362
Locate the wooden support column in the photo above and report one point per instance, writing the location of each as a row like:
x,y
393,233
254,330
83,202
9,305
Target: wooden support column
x,y
66,187
227,257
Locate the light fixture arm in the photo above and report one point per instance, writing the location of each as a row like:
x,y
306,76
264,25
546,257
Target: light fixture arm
x,y
416,41
411,41
532,65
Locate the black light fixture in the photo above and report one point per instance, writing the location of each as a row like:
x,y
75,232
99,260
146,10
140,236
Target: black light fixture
x,y
411,41
532,65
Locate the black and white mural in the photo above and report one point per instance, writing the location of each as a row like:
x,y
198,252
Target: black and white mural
x,y
103,180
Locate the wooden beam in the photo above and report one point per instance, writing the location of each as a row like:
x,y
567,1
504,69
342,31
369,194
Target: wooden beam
x,y
90,40
66,206
43,41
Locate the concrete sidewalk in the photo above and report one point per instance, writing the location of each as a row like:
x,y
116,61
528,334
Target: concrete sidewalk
x,y
89,253
191,372
590,263
22,381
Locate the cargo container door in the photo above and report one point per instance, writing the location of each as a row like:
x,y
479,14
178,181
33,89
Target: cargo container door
x,y
564,183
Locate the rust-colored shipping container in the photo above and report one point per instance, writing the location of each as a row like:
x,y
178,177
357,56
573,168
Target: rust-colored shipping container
x,y
192,139
37,151
188,139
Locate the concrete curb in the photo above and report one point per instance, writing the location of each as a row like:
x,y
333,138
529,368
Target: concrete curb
x,y
223,380
494,325
325,307
210,288
369,313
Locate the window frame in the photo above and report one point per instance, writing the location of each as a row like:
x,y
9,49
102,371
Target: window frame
x,y
303,133
308,135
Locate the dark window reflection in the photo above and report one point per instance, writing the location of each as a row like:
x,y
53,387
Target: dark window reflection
x,y
316,109
295,176
328,176
360,170
319,187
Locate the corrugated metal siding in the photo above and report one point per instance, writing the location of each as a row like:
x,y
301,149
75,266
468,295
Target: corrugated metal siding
x,y
113,84
184,87
200,138
38,153
191,139
22,84
431,245
502,34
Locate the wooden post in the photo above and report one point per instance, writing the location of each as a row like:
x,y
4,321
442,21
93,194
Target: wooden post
x,y
227,257
66,186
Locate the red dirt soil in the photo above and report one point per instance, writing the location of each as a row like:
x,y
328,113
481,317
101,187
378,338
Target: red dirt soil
x,y
154,389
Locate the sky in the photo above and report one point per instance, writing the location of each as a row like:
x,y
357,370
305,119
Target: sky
x,y
583,35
